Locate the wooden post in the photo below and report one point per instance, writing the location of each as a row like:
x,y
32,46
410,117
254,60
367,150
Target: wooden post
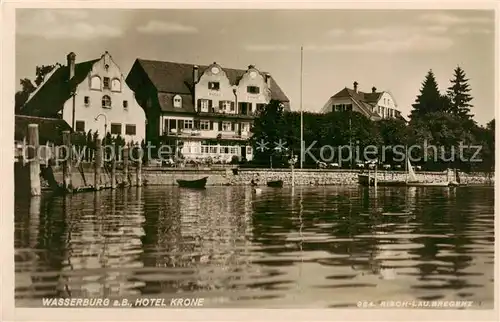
x,y
113,173
138,174
35,184
34,220
97,164
68,157
125,165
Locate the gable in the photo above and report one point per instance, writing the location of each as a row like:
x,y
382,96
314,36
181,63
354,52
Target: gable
x,y
170,77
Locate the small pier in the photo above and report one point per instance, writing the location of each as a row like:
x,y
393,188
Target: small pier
x,y
91,164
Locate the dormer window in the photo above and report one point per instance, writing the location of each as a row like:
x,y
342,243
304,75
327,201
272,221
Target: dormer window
x,y
95,83
214,86
177,101
253,89
105,83
106,101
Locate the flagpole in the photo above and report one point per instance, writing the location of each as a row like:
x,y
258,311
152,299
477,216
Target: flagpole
x,y
301,111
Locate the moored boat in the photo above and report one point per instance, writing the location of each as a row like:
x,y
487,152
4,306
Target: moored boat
x,y
197,184
366,180
275,183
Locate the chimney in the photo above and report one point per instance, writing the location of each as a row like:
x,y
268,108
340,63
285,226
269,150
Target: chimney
x,y
355,84
374,89
195,74
268,80
71,64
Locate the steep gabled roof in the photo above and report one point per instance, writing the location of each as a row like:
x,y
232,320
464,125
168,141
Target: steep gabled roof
x,y
365,101
177,78
51,95
49,129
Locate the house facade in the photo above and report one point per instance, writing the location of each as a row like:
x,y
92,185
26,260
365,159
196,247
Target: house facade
x,y
376,105
90,96
204,111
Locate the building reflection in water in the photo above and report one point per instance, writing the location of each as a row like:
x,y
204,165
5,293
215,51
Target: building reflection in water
x,y
202,238
103,245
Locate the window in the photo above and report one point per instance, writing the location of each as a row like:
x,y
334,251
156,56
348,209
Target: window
x,y
95,83
244,108
105,82
106,101
86,100
116,85
204,125
234,150
125,104
226,106
214,86
79,126
204,105
213,149
224,149
260,107
253,89
349,107
130,129
226,126
188,124
245,127
177,101
249,150
116,128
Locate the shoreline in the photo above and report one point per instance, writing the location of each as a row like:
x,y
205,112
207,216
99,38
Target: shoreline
x,y
158,176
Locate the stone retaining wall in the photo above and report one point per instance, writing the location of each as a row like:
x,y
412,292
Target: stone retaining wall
x,y
168,176
155,176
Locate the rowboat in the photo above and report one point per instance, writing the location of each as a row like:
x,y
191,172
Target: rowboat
x,y
196,184
365,180
275,184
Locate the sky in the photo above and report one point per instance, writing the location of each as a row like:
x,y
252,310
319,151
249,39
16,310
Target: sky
x,y
390,49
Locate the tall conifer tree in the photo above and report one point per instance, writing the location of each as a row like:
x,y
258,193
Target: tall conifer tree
x,y
458,94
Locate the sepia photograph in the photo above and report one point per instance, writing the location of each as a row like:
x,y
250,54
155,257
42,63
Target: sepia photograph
x,y
189,158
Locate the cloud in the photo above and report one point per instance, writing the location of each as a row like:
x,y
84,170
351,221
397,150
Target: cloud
x,y
392,39
416,43
164,27
471,30
336,32
269,48
63,24
450,19
436,29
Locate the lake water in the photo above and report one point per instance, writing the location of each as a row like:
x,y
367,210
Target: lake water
x,y
307,247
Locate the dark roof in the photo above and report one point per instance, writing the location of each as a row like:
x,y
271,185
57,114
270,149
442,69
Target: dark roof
x,y
56,90
365,100
166,101
49,129
177,78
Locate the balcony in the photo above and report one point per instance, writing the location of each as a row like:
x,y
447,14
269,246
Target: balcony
x,y
225,114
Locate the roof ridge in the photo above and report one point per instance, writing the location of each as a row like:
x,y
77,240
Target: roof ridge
x,y
37,117
199,65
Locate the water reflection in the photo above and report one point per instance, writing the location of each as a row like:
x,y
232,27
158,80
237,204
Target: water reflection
x,y
297,247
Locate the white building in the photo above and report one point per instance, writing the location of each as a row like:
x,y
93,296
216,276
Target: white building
x,y
209,109
90,95
375,105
